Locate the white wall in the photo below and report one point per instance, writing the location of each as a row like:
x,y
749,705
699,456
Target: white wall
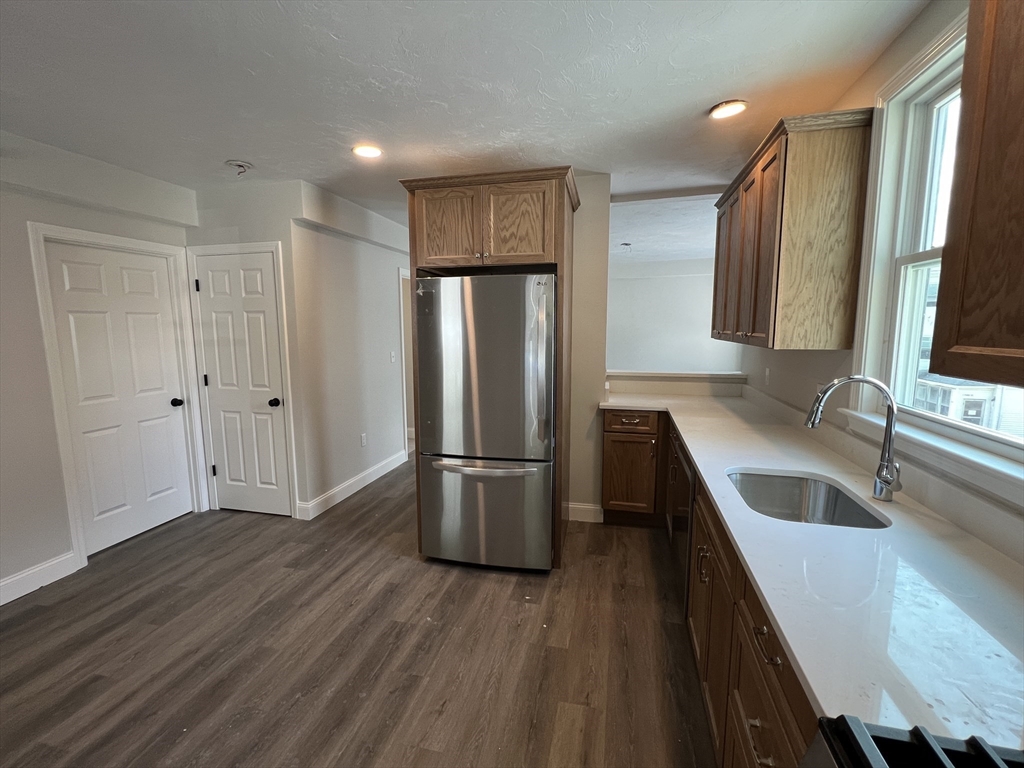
x,y
589,324
34,525
659,319
341,305
348,324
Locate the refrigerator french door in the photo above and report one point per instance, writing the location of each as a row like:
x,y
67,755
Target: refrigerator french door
x,y
486,352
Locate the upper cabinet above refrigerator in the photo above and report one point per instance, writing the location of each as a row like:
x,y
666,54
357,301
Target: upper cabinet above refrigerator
x,y
787,258
490,219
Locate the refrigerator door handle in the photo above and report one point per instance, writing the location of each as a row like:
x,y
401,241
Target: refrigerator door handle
x,y
542,368
462,469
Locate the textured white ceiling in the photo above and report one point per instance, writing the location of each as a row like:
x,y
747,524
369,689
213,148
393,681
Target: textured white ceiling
x,y
663,230
172,89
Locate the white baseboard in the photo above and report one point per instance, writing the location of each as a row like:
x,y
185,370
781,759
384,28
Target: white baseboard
x,y
307,510
31,579
586,513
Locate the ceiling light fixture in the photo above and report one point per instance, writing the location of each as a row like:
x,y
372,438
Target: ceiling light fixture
x,y
728,109
367,150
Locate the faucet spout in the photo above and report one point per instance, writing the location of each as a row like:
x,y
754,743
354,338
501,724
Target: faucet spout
x,y
887,477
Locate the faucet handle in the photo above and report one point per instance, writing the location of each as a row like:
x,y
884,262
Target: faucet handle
x,y
896,485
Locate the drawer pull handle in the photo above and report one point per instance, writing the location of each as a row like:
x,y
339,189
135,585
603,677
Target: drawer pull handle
x,y
755,722
630,421
702,552
759,634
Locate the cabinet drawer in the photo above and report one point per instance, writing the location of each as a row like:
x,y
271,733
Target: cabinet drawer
x,y
795,711
643,422
758,720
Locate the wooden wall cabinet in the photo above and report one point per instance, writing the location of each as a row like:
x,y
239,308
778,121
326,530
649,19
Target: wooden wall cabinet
x,y
630,461
509,218
494,220
787,256
979,317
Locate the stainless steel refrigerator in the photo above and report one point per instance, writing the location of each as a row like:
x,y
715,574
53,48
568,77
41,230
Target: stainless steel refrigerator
x,y
486,359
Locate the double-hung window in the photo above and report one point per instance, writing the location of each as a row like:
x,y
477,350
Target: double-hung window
x,y
918,148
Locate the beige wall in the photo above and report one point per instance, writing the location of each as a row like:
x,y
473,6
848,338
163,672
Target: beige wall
x,y
34,525
589,324
348,324
795,376
917,35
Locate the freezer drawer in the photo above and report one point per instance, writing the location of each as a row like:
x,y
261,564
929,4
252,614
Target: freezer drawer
x,y
486,352
487,512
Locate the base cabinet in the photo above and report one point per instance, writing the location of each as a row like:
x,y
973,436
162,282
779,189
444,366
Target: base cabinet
x,y
756,715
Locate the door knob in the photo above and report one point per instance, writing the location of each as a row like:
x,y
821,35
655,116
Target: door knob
x,y
274,402
176,401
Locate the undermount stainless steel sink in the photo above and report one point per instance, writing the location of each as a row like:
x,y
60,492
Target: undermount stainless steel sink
x,y
802,500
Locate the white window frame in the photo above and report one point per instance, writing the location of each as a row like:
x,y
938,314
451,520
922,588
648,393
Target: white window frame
x,y
896,184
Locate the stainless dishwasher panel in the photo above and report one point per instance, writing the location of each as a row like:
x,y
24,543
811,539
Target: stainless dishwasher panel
x,y
487,512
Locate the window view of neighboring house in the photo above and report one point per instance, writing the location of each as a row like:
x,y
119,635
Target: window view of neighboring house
x,y
988,406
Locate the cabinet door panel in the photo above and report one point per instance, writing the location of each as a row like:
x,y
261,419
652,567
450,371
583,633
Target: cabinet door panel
x,y
769,174
979,318
447,226
721,274
699,602
518,224
732,289
630,472
750,194
737,752
716,675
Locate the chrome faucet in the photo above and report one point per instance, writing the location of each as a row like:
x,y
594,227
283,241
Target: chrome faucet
x,y
887,478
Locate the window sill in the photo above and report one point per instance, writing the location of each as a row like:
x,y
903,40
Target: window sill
x,y
990,473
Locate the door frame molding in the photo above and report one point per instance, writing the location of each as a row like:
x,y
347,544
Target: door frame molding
x,y
403,300
244,249
174,255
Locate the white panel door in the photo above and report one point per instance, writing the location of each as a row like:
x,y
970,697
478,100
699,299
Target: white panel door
x,y
116,338
241,349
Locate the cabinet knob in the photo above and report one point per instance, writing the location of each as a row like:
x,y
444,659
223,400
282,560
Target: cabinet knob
x,y
476,255
486,255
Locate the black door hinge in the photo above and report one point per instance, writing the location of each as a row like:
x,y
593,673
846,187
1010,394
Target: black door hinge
x,y
214,468
197,285
206,380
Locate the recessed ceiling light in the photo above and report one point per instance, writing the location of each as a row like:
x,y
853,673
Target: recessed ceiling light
x,y
367,150
728,108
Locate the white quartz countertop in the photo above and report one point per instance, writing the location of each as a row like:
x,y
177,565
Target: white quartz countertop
x,y
919,623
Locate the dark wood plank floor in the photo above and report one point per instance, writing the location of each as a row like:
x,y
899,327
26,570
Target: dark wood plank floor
x,y
231,638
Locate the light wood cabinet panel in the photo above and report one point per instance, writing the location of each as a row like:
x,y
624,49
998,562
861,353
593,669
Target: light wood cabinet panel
x,y
699,599
721,274
767,254
750,200
448,227
757,716
979,317
630,472
716,672
518,222
737,752
797,236
734,270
